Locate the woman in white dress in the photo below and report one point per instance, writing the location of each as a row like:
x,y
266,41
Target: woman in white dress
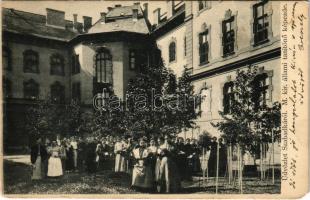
x,y
142,176
167,174
54,162
120,156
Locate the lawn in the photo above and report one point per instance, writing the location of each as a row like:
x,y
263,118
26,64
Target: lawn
x,y
17,180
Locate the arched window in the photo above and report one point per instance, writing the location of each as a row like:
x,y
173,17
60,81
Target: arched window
x,y
228,92
57,65
58,92
7,87
103,66
31,89
31,61
204,47
172,49
6,56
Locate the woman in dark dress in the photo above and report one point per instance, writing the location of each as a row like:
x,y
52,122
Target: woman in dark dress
x,y
69,160
38,159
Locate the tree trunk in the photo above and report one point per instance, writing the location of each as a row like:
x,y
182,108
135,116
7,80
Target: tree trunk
x,y
272,156
217,167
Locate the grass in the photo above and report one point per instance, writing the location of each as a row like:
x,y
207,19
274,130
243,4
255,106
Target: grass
x,y
17,180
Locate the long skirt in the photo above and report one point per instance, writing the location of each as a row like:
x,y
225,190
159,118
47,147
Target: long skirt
x,y
54,167
75,158
142,177
120,163
167,176
38,169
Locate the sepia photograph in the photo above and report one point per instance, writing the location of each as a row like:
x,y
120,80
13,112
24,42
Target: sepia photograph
x,y
151,97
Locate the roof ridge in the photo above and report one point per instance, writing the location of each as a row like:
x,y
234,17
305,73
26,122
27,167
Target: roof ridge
x,y
13,9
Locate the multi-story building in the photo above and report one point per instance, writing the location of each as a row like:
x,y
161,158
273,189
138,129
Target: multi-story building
x,y
50,55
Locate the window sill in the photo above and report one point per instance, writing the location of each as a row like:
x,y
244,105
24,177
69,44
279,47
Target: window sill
x,y
204,64
228,55
257,44
173,61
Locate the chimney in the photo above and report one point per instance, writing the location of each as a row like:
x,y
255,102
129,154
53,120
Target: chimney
x,y
146,10
135,14
75,22
87,23
103,17
110,8
170,8
55,18
156,16
118,5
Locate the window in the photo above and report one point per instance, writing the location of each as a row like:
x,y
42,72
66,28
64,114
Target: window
x,y
261,85
58,92
132,59
228,92
261,23
76,91
103,65
31,61
137,59
228,36
172,47
204,4
75,69
57,65
7,87
203,47
6,56
185,46
31,89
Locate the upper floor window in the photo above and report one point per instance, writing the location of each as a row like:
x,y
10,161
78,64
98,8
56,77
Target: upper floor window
x,y
103,65
7,87
31,89
76,91
31,61
6,56
228,36
172,51
261,23
58,92
228,94
203,47
75,69
204,4
261,86
57,65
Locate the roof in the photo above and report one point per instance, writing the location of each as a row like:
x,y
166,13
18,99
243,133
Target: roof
x,y
120,19
34,24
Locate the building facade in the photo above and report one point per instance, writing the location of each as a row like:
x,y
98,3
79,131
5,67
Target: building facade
x,y
70,60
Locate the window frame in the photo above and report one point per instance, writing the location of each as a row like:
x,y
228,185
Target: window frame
x,y
172,51
225,38
57,61
204,47
228,96
58,90
33,88
107,57
265,29
76,67
31,61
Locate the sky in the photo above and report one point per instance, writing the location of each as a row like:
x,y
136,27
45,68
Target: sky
x,y
82,8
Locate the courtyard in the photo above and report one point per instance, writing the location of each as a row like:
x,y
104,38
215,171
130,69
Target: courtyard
x,y
17,180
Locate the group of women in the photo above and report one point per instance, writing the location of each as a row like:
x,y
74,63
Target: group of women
x,y
156,164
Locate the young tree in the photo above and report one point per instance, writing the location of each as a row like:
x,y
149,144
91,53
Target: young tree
x,y
250,121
